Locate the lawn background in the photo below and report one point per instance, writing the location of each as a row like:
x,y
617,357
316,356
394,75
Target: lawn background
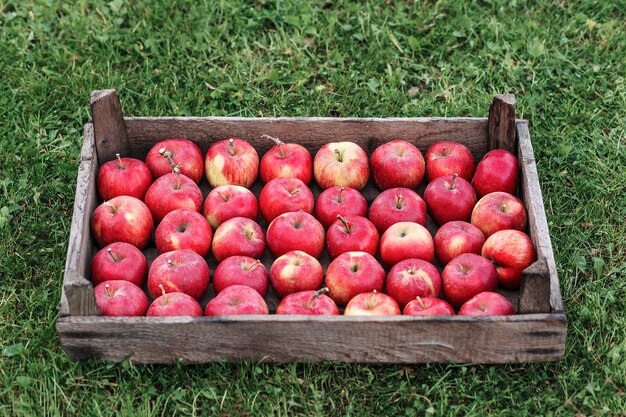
x,y
564,60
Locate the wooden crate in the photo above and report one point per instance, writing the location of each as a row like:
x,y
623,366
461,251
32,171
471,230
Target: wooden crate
x,y
536,333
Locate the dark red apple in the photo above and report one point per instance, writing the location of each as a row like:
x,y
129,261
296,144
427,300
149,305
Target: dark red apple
x,y
282,195
449,198
428,306
341,164
351,233
397,164
176,155
120,298
228,201
339,200
487,304
122,219
308,303
238,236
119,261
295,230
296,271
447,158
511,251
467,275
241,270
497,171
412,278
372,304
352,273
184,229
499,211
123,176
397,205
456,238
171,192
236,300
174,304
231,162
406,240
286,160
181,270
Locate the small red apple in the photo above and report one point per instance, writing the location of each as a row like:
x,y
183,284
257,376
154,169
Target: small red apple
x,y
296,271
238,236
184,229
120,298
174,304
341,164
412,278
449,158
397,164
236,300
122,219
397,205
295,230
487,304
228,201
351,233
171,192
352,273
180,270
456,238
406,240
119,261
467,275
449,198
372,304
231,161
176,155
339,200
282,195
499,211
123,176
241,270
428,306
511,251
286,160
308,303
497,171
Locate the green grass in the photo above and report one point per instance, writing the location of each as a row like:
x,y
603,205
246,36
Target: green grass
x,y
564,60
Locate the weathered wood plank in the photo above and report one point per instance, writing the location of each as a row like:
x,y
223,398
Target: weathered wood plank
x,y
313,132
537,223
501,125
109,126
399,339
77,298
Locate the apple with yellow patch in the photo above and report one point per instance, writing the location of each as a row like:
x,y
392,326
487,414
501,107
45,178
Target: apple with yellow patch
x,y
231,161
372,304
228,201
296,271
456,238
413,278
406,240
341,164
238,236
122,219
181,270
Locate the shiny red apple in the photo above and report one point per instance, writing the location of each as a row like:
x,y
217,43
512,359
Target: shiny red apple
x,y
238,236
406,240
467,275
311,303
119,261
428,306
282,195
123,176
176,155
351,233
499,211
487,304
228,201
120,298
397,205
339,200
511,251
174,304
286,160
171,192
352,273
411,278
296,271
296,230
449,198
497,171
446,158
372,304
236,300
241,270
397,164
456,238
180,270
184,229
122,219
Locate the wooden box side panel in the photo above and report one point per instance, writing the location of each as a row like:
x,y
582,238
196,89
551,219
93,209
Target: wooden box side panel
x,y
399,339
540,286
144,132
77,298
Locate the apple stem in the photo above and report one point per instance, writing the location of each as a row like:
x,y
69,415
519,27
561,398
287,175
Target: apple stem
x,y
165,300
110,252
370,301
399,201
339,156
231,146
420,302
106,203
318,294
277,141
178,180
169,261
222,195
170,158
107,290
119,160
254,264
453,178
340,200
294,192
345,223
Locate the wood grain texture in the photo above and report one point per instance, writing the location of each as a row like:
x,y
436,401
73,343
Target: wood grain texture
x,y
109,126
501,125
313,132
398,339
78,298
537,222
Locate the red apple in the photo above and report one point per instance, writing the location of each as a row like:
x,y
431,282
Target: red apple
x,y
231,161
122,219
511,251
296,271
397,205
352,273
119,261
487,304
428,306
171,192
174,304
308,303
295,230
372,304
228,201
176,155
184,229
339,200
282,195
238,236
456,238
412,278
286,160
236,300
499,211
449,158
406,240
120,298
351,233
341,164
467,275
241,270
449,198
397,164
180,270
497,171
123,176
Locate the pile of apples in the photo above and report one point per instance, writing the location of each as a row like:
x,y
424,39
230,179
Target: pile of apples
x,y
383,258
